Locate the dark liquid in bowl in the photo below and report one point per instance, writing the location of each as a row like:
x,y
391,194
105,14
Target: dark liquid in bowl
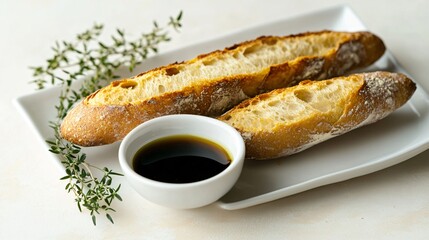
x,y
180,159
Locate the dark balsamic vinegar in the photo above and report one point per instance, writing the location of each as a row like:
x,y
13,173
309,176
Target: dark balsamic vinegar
x,y
180,159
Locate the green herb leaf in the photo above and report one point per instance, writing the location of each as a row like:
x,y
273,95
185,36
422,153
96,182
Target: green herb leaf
x,y
94,220
109,217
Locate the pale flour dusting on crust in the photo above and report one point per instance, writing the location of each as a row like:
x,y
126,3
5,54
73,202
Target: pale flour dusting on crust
x,y
247,136
314,140
222,99
383,88
117,126
349,55
181,104
380,88
185,102
312,69
373,117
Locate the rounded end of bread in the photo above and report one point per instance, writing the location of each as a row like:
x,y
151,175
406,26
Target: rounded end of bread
x,y
87,125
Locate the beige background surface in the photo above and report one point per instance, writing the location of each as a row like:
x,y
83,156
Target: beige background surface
x,y
390,204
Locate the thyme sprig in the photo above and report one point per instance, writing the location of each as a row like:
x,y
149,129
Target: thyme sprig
x,y
95,62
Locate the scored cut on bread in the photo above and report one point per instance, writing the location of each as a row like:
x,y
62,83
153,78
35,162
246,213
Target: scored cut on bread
x,y
289,120
212,83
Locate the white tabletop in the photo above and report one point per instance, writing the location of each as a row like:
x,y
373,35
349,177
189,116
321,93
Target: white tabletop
x,y
389,204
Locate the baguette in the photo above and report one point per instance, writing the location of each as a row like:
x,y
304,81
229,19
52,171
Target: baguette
x,y
287,121
212,83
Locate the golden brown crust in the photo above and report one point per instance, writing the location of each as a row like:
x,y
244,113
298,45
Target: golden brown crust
x,y
377,95
90,124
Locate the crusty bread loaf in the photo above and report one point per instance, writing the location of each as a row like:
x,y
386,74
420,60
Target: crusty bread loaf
x,y
212,83
287,121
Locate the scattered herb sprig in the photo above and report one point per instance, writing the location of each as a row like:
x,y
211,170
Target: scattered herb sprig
x,y
95,62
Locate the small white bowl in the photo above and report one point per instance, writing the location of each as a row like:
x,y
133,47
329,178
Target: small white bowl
x,y
183,195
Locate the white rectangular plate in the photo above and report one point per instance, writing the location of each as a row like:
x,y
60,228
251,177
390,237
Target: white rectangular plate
x,y
397,138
